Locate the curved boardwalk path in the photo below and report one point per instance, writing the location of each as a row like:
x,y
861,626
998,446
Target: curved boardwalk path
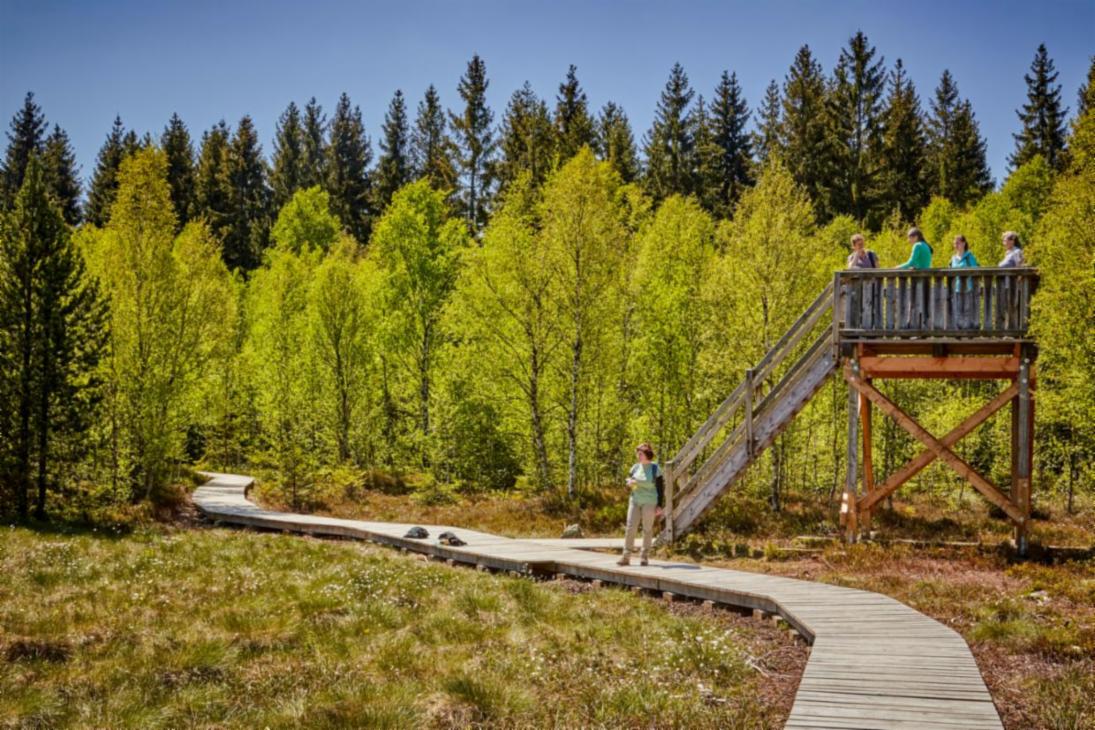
x,y
874,662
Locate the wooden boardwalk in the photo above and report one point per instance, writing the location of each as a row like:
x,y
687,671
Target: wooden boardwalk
x,y
874,662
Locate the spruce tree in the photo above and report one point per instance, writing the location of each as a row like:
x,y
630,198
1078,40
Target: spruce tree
x,y
1043,119
431,148
26,138
394,170
528,141
104,181
314,145
705,180
247,230
854,121
52,334
957,163
903,173
1085,97
670,144
616,142
766,139
804,141
179,150
475,144
573,125
62,175
349,183
729,115
211,198
289,171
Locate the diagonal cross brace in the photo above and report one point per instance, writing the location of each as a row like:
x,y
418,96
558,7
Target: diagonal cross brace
x,y
941,451
921,460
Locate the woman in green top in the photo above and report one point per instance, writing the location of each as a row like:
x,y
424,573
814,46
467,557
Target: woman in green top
x,y
643,504
921,257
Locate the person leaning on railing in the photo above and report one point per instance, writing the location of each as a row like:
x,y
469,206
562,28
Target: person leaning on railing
x,y
921,256
1013,251
861,257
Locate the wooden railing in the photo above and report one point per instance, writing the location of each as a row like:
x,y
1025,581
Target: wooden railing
x,y
934,303
878,304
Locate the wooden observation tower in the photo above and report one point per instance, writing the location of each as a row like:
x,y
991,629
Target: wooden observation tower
x,y
955,324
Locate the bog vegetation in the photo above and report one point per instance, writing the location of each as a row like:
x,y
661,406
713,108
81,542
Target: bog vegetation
x,y
506,306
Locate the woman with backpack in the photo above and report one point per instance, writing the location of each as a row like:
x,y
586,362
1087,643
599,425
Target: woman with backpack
x,y
861,257
963,258
644,504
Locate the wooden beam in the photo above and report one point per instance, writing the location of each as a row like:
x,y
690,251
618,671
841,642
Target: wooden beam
x,y
955,366
921,460
1022,459
868,469
952,459
849,501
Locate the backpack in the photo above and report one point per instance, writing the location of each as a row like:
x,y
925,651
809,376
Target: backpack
x,y
659,484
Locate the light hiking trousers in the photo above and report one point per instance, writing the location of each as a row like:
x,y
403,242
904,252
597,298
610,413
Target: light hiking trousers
x,y
635,512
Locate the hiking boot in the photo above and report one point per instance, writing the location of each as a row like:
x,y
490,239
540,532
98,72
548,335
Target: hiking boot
x,y
644,561
624,560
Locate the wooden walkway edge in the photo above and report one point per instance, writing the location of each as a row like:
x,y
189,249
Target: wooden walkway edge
x,y
874,662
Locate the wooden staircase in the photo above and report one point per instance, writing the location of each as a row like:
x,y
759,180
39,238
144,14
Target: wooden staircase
x,y
937,323
748,421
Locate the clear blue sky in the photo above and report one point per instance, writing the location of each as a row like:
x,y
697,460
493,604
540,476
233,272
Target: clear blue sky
x,y
87,60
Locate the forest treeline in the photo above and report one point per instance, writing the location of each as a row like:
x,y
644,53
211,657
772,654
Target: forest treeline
x,y
500,304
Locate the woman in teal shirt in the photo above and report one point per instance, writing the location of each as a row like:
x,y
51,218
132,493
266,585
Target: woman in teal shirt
x,y
963,258
643,504
921,257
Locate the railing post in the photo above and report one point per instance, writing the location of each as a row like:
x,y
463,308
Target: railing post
x,y
749,443
836,315
670,486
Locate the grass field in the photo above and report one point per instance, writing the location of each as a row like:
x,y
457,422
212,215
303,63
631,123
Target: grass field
x,y
1031,625
169,628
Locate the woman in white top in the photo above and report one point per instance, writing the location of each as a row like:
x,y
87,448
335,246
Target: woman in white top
x,y
1013,251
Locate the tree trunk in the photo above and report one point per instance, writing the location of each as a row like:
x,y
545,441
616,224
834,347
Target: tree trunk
x,y
43,450
539,445
424,392
572,419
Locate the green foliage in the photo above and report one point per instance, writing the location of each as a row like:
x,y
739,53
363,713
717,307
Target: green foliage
x,y
394,169
1042,117
171,307
417,250
305,222
51,339
617,143
175,143
670,144
247,227
676,258
475,144
431,148
1064,313
573,123
528,144
348,180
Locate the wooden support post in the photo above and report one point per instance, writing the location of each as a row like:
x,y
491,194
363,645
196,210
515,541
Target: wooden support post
x,y
670,486
848,505
750,443
1022,458
868,469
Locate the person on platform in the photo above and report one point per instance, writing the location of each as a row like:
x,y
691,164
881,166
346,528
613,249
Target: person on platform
x,y
963,258
921,255
1013,251
861,257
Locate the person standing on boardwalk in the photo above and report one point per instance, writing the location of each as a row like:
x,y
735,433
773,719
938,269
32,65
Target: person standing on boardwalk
x,y
963,258
1013,251
921,256
861,257
643,505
